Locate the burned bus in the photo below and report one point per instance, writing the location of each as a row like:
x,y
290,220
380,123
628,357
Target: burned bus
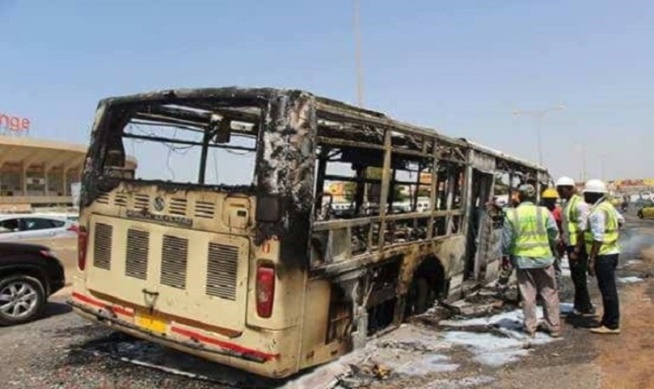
x,y
264,275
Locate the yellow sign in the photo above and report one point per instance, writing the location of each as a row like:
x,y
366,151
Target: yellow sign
x,y
151,323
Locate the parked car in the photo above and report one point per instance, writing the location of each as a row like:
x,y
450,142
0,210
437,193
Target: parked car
x,y
19,227
72,216
646,211
29,275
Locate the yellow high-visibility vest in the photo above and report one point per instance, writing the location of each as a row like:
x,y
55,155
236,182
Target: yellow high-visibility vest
x,y
530,227
610,241
571,215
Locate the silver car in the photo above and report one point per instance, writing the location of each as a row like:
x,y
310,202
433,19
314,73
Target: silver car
x,y
22,227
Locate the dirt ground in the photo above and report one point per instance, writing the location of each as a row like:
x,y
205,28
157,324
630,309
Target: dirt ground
x,y
626,360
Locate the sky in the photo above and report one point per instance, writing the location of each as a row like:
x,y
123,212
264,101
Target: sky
x,y
460,67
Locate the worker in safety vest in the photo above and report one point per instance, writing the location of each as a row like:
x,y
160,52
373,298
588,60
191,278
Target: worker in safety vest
x,y
549,200
506,265
574,219
529,238
601,239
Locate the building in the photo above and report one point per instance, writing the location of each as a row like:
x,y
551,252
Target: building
x,y
37,173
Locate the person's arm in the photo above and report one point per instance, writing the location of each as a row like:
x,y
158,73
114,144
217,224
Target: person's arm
x,y
620,218
583,212
507,236
596,222
552,232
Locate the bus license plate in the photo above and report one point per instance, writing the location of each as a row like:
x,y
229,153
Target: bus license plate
x,y
151,323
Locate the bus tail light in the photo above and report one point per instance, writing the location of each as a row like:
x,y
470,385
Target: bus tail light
x,y
265,290
82,238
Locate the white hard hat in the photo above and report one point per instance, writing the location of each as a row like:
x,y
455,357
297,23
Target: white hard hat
x,y
565,181
595,186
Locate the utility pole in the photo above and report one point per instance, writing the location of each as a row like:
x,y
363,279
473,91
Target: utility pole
x,y
582,154
538,116
357,41
356,24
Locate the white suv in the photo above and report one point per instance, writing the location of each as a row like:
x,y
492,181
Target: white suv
x,y
21,227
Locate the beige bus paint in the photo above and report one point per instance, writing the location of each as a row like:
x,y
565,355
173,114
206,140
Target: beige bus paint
x,y
276,335
314,351
189,301
280,367
292,126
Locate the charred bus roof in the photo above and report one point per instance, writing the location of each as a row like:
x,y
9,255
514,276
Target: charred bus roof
x,y
326,106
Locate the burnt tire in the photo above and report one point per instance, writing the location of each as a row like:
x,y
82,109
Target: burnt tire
x,y
22,299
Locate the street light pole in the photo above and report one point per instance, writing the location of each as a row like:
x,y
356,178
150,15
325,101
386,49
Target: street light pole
x,y
538,117
584,176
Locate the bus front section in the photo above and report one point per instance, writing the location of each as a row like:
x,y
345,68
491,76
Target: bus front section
x,y
203,246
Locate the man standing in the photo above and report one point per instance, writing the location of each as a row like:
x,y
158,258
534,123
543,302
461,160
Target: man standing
x,y
603,250
549,200
573,224
529,237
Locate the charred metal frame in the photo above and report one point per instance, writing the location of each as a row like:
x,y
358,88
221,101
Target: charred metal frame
x,y
342,127
290,126
284,127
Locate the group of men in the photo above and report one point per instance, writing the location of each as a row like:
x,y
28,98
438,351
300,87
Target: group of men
x,y
535,238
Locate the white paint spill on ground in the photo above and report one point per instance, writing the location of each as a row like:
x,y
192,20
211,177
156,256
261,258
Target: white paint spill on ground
x,y
412,351
629,280
467,382
511,319
432,363
494,350
489,349
415,351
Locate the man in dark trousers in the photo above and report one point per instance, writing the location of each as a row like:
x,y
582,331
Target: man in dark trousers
x,y
574,219
603,249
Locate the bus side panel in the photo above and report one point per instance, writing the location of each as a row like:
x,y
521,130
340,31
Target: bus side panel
x,y
494,256
316,348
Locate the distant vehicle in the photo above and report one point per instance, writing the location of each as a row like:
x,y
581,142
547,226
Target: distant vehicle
x,y
29,274
20,227
647,210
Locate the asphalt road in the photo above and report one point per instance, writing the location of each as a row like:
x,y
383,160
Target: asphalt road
x,y
58,352
64,351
